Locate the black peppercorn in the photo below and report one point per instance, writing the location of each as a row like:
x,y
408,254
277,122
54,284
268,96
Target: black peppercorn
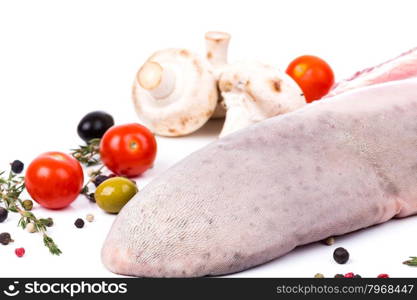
x,y
340,255
5,238
17,166
3,214
357,276
79,223
100,179
49,222
339,276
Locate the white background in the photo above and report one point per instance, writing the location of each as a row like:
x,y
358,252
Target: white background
x,y
62,59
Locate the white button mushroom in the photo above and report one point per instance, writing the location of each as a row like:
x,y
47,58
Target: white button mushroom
x,y
174,92
253,92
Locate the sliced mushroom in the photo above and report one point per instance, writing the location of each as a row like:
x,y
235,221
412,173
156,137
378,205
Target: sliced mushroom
x,y
174,92
253,92
217,44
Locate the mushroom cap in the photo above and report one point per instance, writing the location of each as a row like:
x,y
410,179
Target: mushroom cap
x,y
265,90
189,97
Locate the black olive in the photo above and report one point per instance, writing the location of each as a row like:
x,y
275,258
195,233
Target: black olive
x,y
17,166
94,125
341,255
3,214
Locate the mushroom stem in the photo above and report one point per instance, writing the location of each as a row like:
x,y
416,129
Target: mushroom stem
x,y
159,81
216,45
238,116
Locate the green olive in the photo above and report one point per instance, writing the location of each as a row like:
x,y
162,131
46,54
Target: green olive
x,y
114,193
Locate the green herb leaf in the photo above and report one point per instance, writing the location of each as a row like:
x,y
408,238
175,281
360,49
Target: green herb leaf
x,y
88,155
10,190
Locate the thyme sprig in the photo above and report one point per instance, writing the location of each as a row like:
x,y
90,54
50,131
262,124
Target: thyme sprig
x,y
11,188
88,154
92,176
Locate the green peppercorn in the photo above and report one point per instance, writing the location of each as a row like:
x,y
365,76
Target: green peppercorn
x,y
5,238
329,241
31,228
27,204
90,218
339,276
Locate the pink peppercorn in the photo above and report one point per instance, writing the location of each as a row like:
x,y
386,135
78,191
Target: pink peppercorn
x,y
383,276
349,275
19,252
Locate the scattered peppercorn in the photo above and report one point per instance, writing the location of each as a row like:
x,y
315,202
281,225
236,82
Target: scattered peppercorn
x,y
27,204
319,275
3,214
349,275
91,197
17,166
339,276
79,223
30,227
19,252
340,255
100,179
383,276
5,238
357,276
90,218
329,241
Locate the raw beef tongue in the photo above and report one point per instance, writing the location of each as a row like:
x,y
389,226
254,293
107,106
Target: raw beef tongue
x,y
401,67
331,168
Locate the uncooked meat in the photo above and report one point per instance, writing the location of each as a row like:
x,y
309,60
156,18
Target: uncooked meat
x,y
330,168
398,68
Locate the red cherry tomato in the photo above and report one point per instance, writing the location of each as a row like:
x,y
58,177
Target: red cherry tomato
x,y
313,75
54,179
128,150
